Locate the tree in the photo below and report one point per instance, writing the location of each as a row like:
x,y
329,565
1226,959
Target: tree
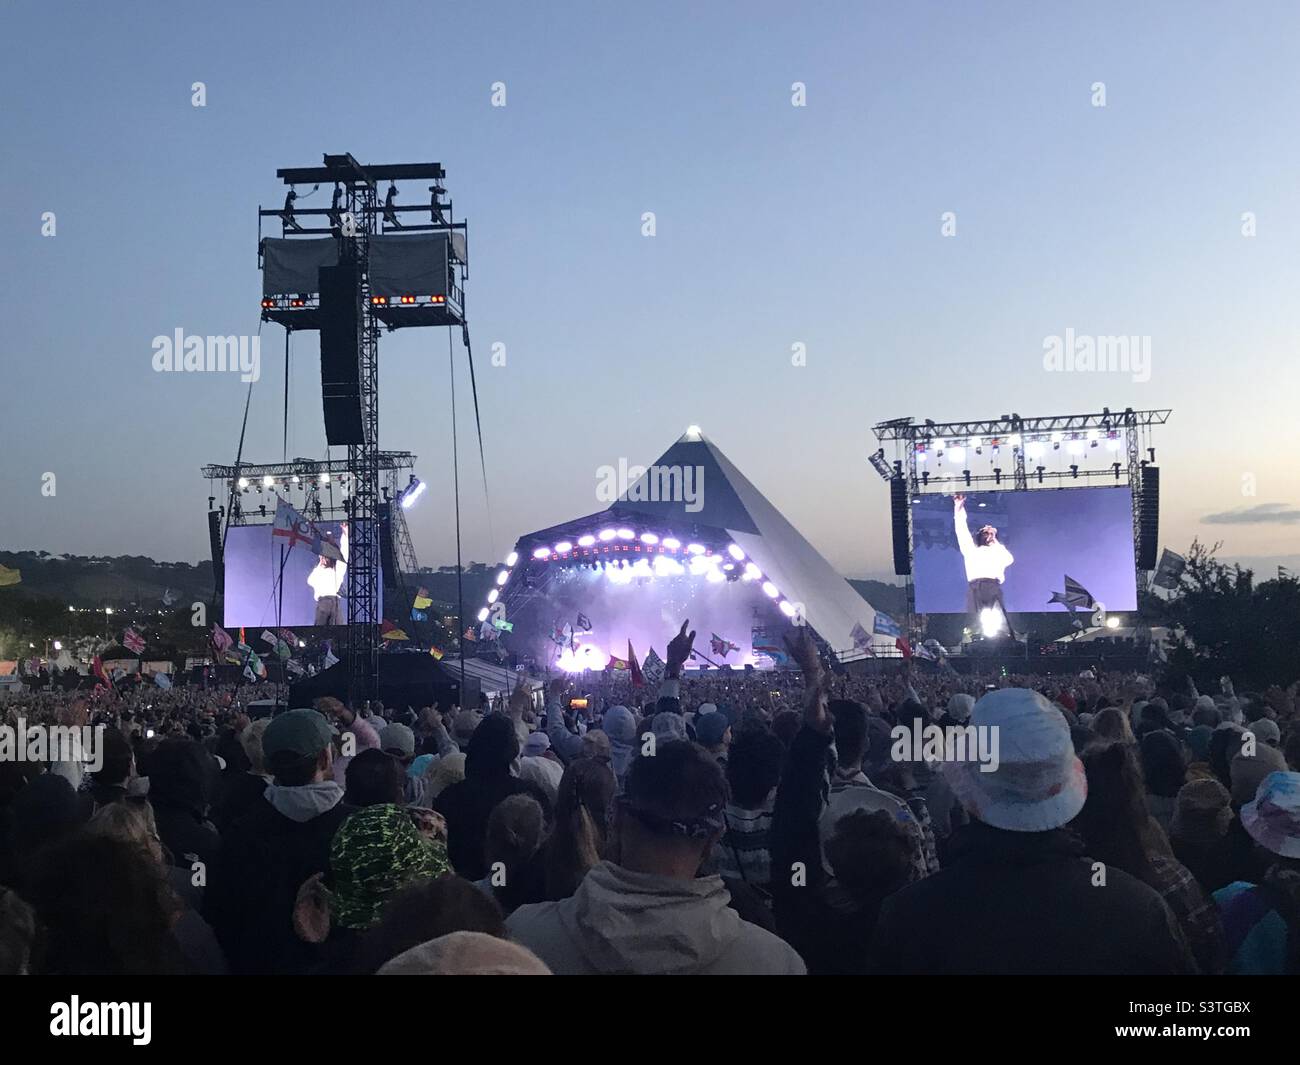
x,y
1233,626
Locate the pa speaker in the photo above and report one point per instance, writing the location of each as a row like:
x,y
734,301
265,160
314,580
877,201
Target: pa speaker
x,y
214,542
898,505
340,353
387,558
1148,518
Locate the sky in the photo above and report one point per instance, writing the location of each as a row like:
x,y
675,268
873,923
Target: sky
x,y
776,225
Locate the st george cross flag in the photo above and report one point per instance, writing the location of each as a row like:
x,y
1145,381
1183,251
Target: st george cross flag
x,y
133,641
1075,595
295,529
884,625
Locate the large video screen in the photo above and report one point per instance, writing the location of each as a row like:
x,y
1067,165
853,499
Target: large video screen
x,y
1037,539
315,592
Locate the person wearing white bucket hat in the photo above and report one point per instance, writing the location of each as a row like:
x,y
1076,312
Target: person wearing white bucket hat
x,y
1018,894
1262,921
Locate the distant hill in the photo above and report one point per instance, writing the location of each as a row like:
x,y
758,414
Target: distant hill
x,y
96,581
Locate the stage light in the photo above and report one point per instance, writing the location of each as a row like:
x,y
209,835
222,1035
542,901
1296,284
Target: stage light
x,y
607,534
296,478
58,646
1034,451
1074,471
108,610
649,538
411,493
966,476
752,572
324,478
700,564
736,553
672,543
626,534
1112,622
1014,440
267,482
668,567
787,608
1075,447
975,441
1057,438
586,541
262,508
714,575
1113,444
301,644
1092,434
692,432
563,547
991,622
243,482
881,465
997,476
957,454
493,595
512,558
483,614
695,549
542,552
920,454
769,590
1039,470
502,577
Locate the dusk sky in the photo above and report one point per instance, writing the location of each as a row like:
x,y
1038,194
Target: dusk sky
x,y
776,225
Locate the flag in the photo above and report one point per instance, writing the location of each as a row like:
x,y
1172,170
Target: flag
x,y
1170,569
133,641
935,648
615,663
330,658
1075,595
422,599
884,625
418,615
163,681
220,639
294,666
283,651
861,638
254,667
9,576
638,678
288,637
269,637
764,643
923,651
294,528
169,597
719,646
436,652
97,669
469,633
903,646
583,622
653,667
389,631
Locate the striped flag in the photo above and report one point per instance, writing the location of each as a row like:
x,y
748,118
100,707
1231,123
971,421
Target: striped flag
x,y
884,625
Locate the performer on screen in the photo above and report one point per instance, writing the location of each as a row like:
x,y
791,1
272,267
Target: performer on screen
x,y
327,581
986,564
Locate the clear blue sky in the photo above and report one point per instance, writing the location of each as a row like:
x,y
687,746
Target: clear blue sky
x,y
776,225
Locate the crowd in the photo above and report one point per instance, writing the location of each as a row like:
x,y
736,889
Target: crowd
x,y
764,823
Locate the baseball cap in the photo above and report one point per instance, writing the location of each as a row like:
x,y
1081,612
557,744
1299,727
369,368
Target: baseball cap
x,y
397,739
296,734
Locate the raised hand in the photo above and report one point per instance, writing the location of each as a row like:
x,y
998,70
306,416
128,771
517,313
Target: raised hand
x,y
679,649
958,502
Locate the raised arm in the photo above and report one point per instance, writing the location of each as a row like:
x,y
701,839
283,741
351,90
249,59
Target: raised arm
x,y
964,540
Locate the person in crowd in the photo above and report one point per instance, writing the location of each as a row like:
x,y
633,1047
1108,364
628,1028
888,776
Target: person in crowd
x,y
376,852
540,765
488,779
17,934
1262,919
1019,895
111,782
117,922
619,724
133,822
1198,832
182,776
42,813
1117,829
466,954
442,774
713,733
374,778
347,722
1165,772
1113,724
398,741
516,875
240,790
753,769
580,837
276,847
646,910
425,910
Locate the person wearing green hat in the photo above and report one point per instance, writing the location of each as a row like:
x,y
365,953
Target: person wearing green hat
x,y
375,853
280,843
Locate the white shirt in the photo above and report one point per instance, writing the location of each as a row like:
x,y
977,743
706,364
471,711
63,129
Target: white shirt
x,y
326,580
987,562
